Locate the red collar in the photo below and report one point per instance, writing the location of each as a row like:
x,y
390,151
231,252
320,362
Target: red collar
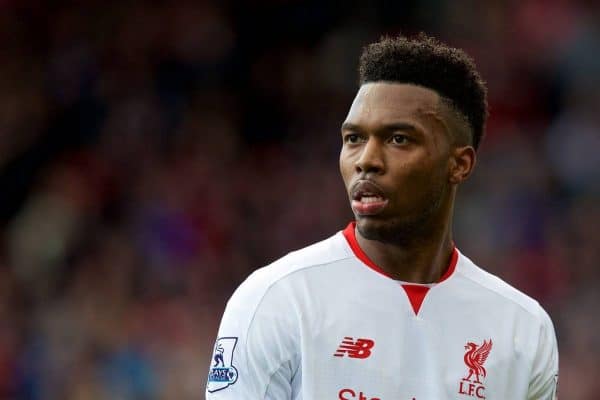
x,y
416,293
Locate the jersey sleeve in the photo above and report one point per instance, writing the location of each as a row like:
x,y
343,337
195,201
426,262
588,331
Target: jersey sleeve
x,y
544,376
254,355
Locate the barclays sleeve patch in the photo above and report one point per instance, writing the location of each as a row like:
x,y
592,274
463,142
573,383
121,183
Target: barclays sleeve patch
x,y
222,373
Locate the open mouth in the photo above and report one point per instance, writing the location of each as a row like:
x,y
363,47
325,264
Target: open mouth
x,y
367,199
370,198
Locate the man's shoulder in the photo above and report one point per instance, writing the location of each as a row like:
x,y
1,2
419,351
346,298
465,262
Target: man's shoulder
x,y
500,291
320,254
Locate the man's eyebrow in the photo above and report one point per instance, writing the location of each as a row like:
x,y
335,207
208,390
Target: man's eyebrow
x,y
400,126
349,126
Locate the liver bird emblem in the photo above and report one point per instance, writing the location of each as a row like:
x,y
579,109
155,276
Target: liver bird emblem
x,y
475,358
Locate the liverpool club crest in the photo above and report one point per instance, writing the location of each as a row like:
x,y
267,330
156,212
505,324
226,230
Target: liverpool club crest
x,y
474,358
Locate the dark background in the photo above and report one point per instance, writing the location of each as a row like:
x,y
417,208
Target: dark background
x,y
153,154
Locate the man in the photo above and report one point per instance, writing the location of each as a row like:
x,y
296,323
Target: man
x,y
389,309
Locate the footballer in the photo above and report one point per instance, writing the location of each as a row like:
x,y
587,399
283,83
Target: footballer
x,y
388,308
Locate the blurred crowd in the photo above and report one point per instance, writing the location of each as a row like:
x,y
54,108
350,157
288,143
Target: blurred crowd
x,y
154,153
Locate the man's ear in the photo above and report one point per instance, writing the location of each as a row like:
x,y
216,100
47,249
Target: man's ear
x,y
462,162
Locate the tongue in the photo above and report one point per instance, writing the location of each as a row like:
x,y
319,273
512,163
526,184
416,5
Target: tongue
x,y
370,208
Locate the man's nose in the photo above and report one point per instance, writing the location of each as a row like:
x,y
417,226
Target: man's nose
x,y
371,158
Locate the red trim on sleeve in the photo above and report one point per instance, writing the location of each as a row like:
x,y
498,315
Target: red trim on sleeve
x,y
416,293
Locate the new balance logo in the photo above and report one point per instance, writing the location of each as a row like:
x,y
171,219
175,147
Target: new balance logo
x,y
361,348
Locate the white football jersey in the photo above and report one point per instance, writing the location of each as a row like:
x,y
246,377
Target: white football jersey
x,y
325,323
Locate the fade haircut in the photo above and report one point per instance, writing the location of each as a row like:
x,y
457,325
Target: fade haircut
x,y
426,62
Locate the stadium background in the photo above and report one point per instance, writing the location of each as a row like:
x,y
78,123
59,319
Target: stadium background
x,y
153,154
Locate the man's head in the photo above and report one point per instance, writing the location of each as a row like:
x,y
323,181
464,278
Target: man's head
x,y
410,136
423,61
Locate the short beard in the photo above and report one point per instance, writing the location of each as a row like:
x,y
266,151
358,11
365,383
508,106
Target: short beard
x,y
411,229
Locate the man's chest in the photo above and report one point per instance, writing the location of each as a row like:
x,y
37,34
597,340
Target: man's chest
x,y
370,351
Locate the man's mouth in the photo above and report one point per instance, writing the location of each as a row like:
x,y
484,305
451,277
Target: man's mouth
x,y
367,199
370,199
368,205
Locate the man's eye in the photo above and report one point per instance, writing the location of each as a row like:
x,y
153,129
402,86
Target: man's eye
x,y
399,139
351,138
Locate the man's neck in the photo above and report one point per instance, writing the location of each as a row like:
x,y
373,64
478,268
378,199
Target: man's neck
x,y
423,261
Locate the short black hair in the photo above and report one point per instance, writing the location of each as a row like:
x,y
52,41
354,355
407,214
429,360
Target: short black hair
x,y
424,61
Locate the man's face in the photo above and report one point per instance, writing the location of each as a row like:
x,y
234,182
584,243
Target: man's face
x,y
395,160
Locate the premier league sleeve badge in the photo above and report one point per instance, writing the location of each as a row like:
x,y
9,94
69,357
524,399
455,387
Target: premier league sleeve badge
x,y
222,373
